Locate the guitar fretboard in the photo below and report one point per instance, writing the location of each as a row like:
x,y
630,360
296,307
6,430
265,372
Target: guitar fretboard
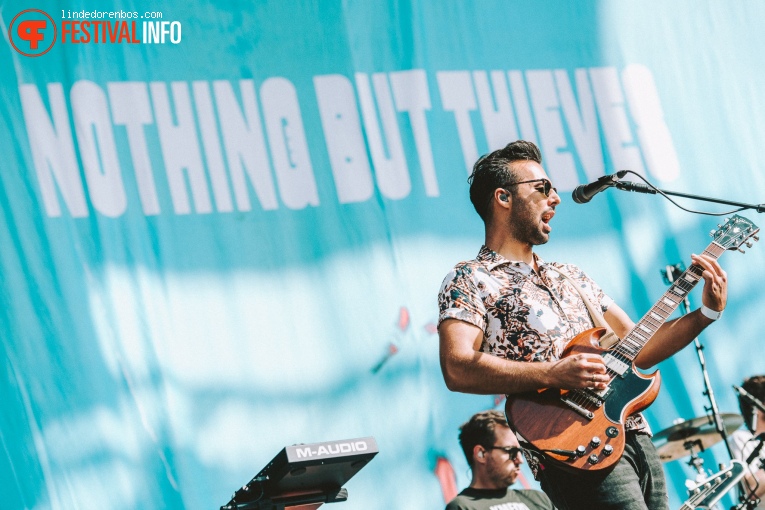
x,y
630,345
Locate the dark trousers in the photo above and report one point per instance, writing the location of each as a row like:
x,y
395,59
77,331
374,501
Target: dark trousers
x,y
636,482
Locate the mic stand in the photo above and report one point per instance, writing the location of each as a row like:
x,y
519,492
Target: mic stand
x,y
670,275
642,188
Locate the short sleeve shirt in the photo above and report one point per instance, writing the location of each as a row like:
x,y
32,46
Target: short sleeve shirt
x,y
524,315
742,444
502,499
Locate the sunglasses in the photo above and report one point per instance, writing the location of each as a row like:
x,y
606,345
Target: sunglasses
x,y
545,182
512,451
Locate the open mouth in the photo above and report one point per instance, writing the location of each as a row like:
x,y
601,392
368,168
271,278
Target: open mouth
x,y
546,217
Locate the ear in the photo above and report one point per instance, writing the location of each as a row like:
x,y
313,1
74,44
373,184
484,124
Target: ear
x,y
478,453
502,196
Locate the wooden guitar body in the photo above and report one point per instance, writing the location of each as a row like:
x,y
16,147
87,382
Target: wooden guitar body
x,y
583,429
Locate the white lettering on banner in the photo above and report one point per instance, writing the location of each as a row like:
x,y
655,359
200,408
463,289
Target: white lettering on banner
x,y
244,141
53,150
457,96
544,100
244,144
498,121
582,121
344,138
180,149
130,108
96,138
211,145
522,108
653,132
410,92
289,149
391,172
613,117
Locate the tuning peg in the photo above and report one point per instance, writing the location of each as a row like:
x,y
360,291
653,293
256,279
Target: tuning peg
x,y
712,233
741,250
756,238
749,244
719,226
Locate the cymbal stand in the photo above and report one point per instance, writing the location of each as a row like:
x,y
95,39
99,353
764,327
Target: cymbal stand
x,y
695,461
671,273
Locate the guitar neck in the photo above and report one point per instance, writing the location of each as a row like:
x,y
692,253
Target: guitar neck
x,y
631,345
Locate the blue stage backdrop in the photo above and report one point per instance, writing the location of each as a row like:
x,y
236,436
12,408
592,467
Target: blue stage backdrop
x,y
224,224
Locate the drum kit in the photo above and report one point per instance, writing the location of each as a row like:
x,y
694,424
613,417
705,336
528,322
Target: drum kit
x,y
688,438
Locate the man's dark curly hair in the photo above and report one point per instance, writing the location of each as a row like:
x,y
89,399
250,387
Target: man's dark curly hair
x,y
493,171
755,385
479,430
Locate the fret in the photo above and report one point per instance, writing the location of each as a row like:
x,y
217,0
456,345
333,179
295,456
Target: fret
x,y
674,289
631,345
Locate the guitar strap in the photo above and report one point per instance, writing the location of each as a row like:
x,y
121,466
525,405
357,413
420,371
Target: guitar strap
x,y
609,338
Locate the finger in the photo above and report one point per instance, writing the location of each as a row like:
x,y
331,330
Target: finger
x,y
709,263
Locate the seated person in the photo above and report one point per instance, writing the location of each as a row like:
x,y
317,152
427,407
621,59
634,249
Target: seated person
x,y
494,456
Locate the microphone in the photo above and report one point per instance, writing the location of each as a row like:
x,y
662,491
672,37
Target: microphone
x,y
638,187
584,193
749,397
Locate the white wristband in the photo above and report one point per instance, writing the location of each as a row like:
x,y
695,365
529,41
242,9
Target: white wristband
x,y
709,313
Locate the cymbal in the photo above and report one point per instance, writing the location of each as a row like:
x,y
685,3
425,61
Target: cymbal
x,y
698,434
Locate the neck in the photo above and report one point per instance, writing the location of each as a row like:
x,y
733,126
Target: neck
x,y
510,248
477,484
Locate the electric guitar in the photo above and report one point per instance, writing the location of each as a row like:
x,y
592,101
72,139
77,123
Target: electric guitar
x,y
584,429
711,490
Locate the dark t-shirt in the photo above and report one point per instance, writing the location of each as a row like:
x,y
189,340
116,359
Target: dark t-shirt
x,y
503,499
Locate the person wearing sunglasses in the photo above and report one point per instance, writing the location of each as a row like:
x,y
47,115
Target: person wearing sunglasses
x,y
506,316
494,457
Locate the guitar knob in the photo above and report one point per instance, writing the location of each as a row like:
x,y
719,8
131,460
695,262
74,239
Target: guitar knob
x,y
595,442
592,459
612,432
608,450
580,451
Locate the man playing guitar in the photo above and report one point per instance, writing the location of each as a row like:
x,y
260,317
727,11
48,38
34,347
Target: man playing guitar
x,y
506,317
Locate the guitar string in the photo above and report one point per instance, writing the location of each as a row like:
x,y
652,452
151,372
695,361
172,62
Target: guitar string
x,y
622,351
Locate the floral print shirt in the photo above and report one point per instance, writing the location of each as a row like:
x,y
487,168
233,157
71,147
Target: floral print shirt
x,y
524,315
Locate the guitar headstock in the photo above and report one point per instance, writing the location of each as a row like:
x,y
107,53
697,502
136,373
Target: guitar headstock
x,y
736,232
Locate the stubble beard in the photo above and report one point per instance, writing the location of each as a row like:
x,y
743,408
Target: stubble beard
x,y
524,227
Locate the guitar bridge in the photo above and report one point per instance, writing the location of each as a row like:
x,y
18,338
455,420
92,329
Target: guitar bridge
x,y
579,409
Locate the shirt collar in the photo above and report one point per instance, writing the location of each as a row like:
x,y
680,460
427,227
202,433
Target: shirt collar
x,y
493,260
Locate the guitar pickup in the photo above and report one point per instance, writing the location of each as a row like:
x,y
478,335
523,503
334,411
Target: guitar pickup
x,y
614,364
598,398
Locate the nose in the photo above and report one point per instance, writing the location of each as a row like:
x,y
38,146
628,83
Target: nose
x,y
554,198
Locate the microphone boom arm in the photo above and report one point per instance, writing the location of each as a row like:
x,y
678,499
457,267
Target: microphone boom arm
x,y
642,188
